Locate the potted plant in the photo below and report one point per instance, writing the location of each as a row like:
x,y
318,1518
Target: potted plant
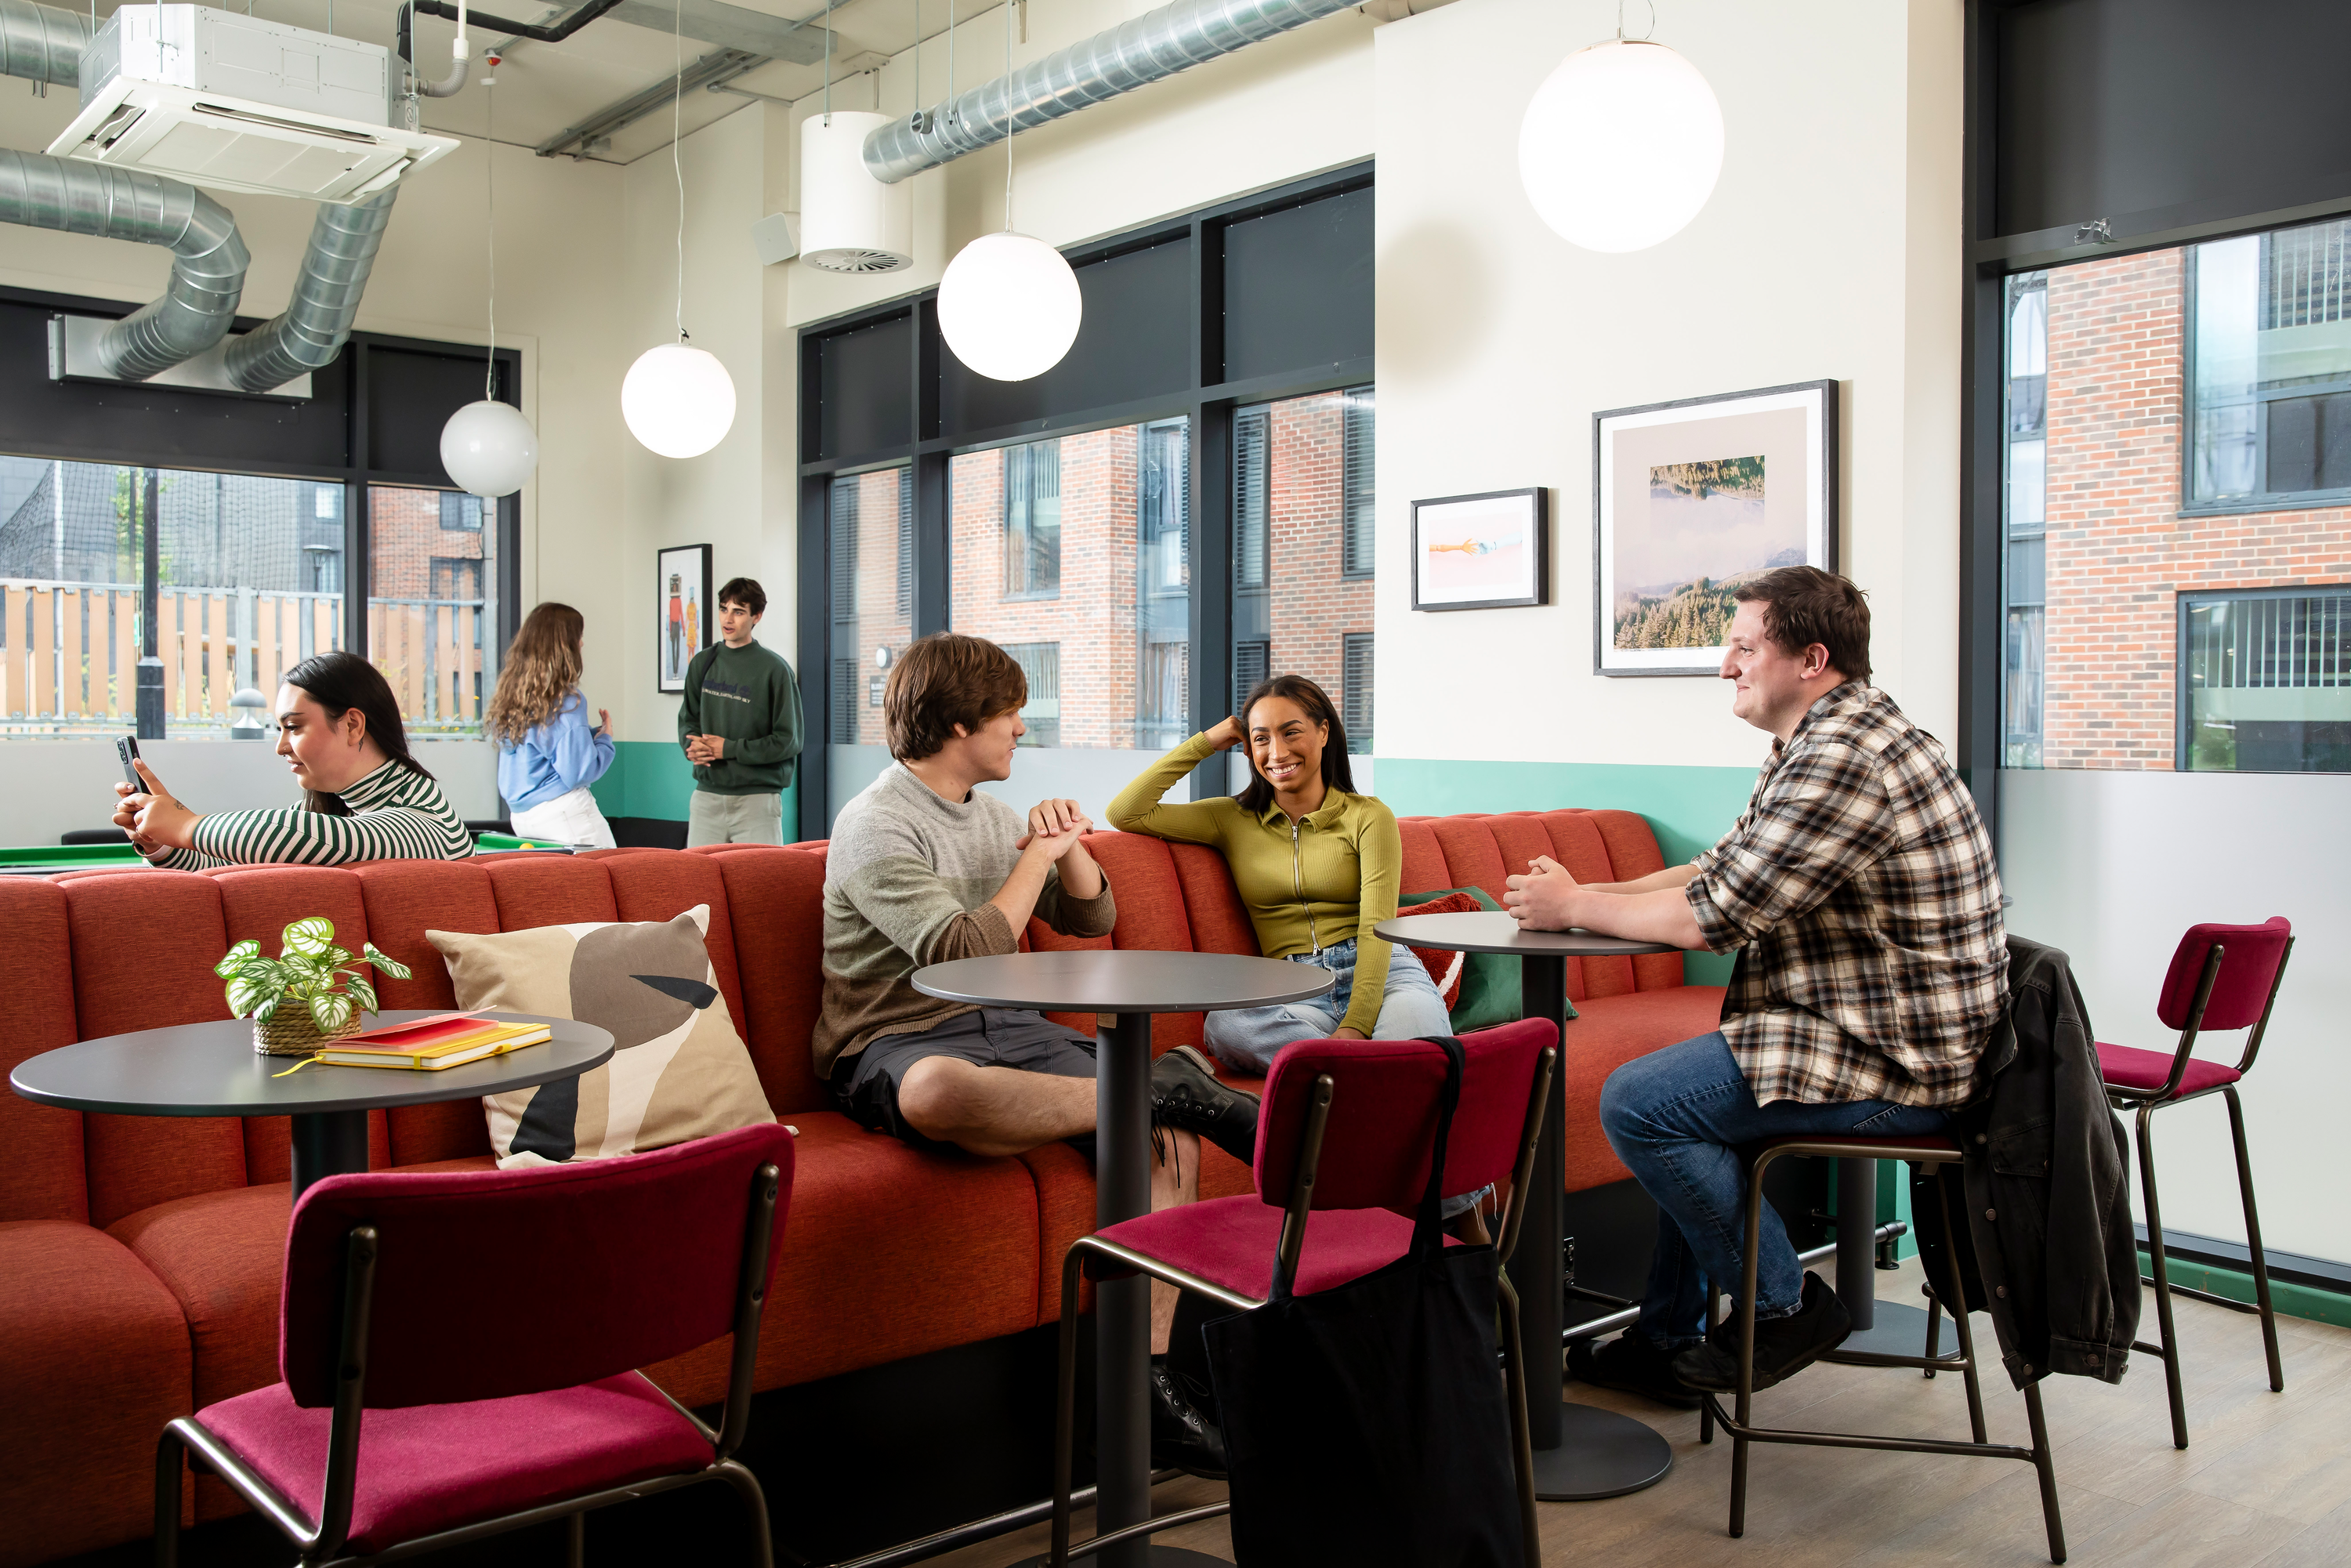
x,y
305,995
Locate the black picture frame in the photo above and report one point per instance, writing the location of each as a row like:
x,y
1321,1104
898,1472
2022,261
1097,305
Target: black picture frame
x,y
1535,518
1822,520
672,654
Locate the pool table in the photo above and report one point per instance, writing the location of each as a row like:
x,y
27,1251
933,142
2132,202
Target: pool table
x,y
40,860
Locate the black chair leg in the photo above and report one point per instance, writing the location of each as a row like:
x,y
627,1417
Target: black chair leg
x,y
1934,1327
2253,1241
1522,1458
755,1505
1745,1307
575,1544
1959,1324
1065,1410
167,1501
2162,1277
2052,1520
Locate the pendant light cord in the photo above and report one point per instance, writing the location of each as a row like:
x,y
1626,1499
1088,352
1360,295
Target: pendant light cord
x,y
1653,23
676,92
1011,118
490,225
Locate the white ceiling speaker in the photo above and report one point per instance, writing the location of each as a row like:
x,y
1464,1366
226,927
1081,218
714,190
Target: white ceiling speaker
x,y
776,237
849,220
1620,146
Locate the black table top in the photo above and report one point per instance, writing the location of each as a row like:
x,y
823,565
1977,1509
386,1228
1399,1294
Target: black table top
x,y
1134,981
212,1069
1491,931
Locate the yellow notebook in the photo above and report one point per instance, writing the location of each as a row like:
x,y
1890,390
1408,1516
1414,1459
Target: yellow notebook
x,y
431,1055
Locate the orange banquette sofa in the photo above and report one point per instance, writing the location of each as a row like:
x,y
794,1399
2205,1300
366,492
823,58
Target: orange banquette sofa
x,y
140,1256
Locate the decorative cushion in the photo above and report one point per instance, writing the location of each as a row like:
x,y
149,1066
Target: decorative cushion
x,y
678,1070
1489,983
1444,967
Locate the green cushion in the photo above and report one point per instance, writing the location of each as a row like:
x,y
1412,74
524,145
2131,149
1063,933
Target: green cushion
x,y
1489,981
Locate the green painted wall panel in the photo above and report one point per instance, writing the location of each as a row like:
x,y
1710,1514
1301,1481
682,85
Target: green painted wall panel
x,y
1688,808
652,779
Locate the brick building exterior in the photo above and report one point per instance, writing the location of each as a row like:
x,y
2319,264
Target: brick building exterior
x,y
2119,551
1314,606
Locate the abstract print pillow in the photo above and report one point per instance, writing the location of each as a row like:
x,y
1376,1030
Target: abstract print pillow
x,y
678,1069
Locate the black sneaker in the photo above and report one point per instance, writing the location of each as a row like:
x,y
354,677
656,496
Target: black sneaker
x,y
1784,1346
1185,1093
1181,1438
1630,1364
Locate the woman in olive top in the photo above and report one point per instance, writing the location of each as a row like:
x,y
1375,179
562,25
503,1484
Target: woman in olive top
x,y
1316,865
365,797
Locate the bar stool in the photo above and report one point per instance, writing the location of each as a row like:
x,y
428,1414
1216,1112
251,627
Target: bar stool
x,y
2222,978
1929,1153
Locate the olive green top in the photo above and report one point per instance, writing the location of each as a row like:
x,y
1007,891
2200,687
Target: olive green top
x,y
1325,879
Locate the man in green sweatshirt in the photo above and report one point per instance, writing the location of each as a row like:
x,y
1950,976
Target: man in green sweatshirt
x,y
740,726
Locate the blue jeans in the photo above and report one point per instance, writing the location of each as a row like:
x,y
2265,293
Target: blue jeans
x,y
1249,1039
1676,1118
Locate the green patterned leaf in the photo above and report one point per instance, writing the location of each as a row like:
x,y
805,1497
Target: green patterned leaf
x,y
330,1011
236,958
362,992
333,957
269,1009
310,937
300,970
249,992
385,961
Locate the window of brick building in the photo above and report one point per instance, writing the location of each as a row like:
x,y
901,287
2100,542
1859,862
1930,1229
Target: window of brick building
x,y
1302,511
1074,556
432,606
870,518
2176,508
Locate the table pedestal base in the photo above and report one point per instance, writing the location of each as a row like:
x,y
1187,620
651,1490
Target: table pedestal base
x,y
328,1143
1898,1330
1600,1454
1158,1557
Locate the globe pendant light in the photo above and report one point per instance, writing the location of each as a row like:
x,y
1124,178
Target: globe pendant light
x,y
488,447
678,400
1622,146
1009,305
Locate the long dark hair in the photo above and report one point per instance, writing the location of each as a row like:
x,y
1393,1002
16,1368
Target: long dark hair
x,y
339,682
1306,694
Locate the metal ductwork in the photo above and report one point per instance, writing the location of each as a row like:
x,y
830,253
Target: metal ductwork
x,y
207,272
1154,46
317,320
41,43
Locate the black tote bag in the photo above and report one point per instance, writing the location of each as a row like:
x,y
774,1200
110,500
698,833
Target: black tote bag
x,y
1367,1425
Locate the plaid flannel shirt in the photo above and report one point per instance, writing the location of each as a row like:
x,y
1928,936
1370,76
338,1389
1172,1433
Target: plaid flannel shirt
x,y
1860,890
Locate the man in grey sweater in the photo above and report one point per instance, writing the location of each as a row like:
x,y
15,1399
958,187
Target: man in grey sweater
x,y
923,867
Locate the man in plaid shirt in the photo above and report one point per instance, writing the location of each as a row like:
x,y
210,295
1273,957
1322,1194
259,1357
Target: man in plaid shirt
x,y
1860,892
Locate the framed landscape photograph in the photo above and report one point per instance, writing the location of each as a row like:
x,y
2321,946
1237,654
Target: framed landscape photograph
x,y
1481,553
683,612
1692,498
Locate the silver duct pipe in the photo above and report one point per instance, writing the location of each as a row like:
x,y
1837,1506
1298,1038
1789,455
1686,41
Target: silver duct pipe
x,y
41,42
207,272
1154,46
308,337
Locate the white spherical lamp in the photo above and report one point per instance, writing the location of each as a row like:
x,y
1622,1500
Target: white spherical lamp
x,y
1620,146
1010,306
490,448
678,400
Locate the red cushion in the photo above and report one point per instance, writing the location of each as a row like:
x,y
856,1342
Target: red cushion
x,y
430,1467
1607,1033
2248,972
40,1146
1230,1240
1444,967
2127,1067
776,898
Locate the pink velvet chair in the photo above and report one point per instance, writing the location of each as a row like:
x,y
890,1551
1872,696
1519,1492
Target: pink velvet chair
x,y
459,1350
1345,1135
2222,978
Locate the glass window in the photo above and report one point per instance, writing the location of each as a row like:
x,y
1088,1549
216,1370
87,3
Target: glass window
x,y
2024,511
433,606
1073,555
247,581
2270,396
2267,681
872,517
1302,537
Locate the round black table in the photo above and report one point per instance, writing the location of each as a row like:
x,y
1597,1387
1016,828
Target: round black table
x,y
1582,1452
212,1069
1123,989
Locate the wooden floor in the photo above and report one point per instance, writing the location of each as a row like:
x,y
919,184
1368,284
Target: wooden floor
x,y
2265,1482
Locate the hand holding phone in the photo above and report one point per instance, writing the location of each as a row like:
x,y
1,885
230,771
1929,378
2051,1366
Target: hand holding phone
x,y
127,749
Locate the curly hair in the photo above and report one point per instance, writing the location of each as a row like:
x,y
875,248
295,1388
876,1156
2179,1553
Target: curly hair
x,y
541,672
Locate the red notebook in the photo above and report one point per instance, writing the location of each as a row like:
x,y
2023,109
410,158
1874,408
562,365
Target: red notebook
x,y
419,1033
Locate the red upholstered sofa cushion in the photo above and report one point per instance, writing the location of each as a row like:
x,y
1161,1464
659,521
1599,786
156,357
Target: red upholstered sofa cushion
x,y
141,1279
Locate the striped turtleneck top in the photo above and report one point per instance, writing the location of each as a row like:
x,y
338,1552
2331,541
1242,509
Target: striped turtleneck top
x,y
396,814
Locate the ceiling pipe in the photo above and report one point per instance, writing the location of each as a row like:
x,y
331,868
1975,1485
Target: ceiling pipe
x,y
209,257
41,43
554,35
317,322
1152,47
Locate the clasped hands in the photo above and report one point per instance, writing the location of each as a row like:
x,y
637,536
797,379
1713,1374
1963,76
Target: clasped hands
x,y
1542,897
705,749
1054,827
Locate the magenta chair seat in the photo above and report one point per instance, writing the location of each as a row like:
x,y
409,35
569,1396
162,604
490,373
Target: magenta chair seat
x,y
430,1467
1230,1242
2147,1072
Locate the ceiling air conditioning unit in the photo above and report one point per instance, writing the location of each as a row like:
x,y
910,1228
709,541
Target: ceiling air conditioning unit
x,y
240,104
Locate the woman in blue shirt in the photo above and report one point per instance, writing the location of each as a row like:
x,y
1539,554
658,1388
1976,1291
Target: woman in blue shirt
x,y
547,753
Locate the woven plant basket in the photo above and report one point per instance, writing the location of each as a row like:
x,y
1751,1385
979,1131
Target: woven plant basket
x,y
292,1031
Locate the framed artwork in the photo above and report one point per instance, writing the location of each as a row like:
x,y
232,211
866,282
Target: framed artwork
x,y
1491,551
682,615
1692,498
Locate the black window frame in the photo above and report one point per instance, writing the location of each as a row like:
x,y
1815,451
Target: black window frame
x,y
1202,395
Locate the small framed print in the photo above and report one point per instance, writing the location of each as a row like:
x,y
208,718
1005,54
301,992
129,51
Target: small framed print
x,y
1692,498
683,610
1491,551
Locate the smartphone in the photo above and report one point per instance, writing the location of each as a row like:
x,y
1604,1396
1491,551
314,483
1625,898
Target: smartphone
x,y
127,748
